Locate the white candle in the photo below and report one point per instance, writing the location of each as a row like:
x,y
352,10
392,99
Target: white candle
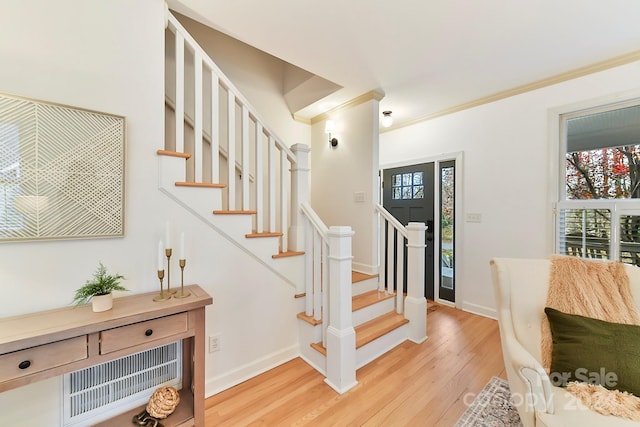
x,y
182,246
160,256
167,234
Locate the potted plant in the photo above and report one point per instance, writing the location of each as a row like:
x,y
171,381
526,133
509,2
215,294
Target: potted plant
x,y
99,289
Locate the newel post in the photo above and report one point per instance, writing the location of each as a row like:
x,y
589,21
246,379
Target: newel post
x,y
415,302
341,337
299,195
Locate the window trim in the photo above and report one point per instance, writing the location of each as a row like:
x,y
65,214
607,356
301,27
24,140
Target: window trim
x,y
557,169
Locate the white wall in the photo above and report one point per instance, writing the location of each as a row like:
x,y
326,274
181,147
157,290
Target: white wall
x,y
506,147
337,174
108,55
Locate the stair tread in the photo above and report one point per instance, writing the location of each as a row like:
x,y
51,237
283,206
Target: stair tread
x,y
356,276
378,327
358,302
309,319
371,330
287,254
369,298
200,184
227,212
174,154
263,234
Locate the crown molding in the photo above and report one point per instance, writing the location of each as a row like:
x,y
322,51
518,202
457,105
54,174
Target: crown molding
x,y
549,81
376,94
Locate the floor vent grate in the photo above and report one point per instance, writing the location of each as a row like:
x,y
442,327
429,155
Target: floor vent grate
x,y
91,394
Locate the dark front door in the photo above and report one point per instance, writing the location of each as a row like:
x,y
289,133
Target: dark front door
x,y
407,193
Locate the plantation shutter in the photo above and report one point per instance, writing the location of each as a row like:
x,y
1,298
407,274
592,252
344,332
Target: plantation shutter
x,y
584,232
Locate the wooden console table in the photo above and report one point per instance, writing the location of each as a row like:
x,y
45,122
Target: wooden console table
x,y
42,345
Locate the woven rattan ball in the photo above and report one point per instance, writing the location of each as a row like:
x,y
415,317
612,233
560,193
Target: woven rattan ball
x,y
163,402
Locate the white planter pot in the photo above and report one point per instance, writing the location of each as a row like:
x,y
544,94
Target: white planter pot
x,y
102,302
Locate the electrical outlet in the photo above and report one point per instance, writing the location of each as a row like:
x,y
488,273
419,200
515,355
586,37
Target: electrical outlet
x,y
214,343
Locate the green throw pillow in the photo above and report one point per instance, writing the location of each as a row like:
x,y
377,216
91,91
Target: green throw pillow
x,y
594,351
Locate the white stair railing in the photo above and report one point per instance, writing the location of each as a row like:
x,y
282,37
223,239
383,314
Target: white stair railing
x,y
316,268
393,239
228,141
414,306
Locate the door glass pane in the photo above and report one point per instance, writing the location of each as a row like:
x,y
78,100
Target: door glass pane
x,y
417,178
418,192
447,200
407,186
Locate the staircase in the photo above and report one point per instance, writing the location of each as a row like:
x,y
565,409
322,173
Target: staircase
x,y
224,165
378,328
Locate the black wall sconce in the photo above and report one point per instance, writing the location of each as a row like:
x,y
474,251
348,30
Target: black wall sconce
x,y
329,128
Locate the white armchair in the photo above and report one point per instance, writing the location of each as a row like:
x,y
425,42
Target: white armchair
x,y
521,292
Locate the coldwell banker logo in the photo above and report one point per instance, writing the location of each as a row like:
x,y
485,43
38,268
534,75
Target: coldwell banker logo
x,y
604,378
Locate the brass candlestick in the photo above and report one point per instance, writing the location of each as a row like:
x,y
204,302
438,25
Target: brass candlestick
x,y
163,296
182,293
167,252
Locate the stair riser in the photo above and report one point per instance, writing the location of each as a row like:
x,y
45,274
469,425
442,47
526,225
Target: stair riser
x,y
364,286
378,347
371,312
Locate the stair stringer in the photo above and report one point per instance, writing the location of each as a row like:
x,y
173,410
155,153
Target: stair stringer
x,y
201,202
307,335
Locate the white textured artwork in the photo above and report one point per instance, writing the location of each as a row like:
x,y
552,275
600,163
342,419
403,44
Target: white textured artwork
x,y
61,171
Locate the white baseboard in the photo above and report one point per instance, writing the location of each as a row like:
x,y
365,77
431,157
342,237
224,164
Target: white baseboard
x,y
364,268
480,310
243,373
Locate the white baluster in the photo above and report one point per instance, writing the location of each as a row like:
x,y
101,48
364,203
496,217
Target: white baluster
x,y
284,197
383,244
400,274
317,275
197,119
215,129
308,272
231,152
246,167
179,111
259,178
272,184
390,260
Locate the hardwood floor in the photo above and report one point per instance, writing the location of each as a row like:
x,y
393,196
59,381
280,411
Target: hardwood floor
x,y
412,385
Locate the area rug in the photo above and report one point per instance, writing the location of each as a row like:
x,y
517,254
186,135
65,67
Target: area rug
x,y
491,408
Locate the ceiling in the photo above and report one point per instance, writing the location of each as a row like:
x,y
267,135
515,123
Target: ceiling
x,y
427,56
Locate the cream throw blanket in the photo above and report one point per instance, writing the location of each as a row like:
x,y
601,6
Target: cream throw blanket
x,y
599,290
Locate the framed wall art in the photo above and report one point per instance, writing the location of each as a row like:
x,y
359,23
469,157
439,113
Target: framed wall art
x,y
61,171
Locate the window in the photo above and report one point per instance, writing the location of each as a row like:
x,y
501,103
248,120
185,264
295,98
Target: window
x,y
407,186
598,212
